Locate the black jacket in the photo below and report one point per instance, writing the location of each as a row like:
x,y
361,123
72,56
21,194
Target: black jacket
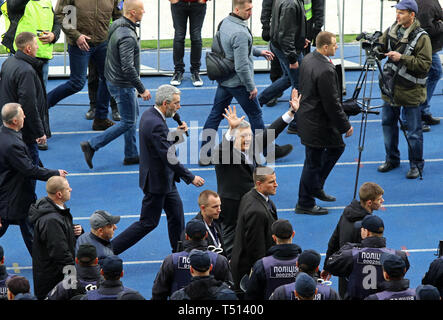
x,y
392,286
257,280
205,288
209,239
17,192
434,276
122,65
90,275
288,27
22,82
345,231
253,236
16,9
321,120
430,15
161,289
54,244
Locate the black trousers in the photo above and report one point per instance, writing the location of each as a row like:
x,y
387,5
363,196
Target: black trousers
x,y
318,164
152,207
93,86
228,218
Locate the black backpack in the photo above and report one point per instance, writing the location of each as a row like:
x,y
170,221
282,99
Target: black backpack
x,y
218,67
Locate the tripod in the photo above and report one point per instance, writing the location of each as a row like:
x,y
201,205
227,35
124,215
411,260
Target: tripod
x,y
368,67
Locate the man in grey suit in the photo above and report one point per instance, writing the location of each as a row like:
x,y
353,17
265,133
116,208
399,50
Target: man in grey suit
x,y
253,235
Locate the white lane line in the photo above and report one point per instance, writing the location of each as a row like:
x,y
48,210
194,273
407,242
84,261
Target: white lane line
x,y
295,165
395,205
17,267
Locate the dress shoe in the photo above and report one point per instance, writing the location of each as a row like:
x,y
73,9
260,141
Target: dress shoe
x,y
425,127
413,173
101,124
387,166
90,115
129,161
272,102
88,151
42,146
430,120
321,195
282,151
314,211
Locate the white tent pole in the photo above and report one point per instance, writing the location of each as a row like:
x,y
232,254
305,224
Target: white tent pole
x,y
340,30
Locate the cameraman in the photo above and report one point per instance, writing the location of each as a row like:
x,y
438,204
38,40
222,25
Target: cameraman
x,y
409,53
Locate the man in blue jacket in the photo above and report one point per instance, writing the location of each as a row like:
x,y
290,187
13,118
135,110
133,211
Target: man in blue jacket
x,y
159,171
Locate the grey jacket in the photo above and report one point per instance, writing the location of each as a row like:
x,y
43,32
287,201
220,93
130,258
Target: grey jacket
x,y
236,40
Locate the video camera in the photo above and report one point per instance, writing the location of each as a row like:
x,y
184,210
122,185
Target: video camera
x,y
371,41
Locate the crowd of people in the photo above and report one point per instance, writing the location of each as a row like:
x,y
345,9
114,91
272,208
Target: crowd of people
x,y
236,248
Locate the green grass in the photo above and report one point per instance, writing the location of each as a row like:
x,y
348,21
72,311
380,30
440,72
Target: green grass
x,y
164,44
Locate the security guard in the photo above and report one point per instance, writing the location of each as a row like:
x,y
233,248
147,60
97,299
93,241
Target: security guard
x,y
361,262
278,267
395,287
4,276
434,275
87,276
174,272
308,262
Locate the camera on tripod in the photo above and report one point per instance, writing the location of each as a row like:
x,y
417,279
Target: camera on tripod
x,y
371,41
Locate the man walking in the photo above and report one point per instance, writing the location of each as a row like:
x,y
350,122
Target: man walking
x,y
321,123
122,72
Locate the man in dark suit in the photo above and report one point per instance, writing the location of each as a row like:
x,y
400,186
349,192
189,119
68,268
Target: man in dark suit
x,y
235,160
17,171
253,235
321,123
159,171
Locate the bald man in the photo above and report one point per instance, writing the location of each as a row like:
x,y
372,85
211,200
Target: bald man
x,y
122,73
55,237
17,172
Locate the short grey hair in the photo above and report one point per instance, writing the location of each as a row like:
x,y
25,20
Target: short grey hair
x,y
165,93
10,111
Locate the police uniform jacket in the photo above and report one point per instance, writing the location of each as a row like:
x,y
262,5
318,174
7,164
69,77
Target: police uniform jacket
x,y
434,276
90,275
161,288
205,288
257,280
391,286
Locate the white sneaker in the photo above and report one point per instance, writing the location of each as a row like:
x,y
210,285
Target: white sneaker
x,y
196,80
177,79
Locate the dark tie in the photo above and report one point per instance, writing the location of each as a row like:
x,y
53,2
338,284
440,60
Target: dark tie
x,y
270,206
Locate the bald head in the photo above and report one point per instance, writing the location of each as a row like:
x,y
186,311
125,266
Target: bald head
x,y
133,10
13,116
55,184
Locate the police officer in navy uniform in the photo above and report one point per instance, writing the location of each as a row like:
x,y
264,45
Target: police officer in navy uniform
x,y
203,286
111,287
308,262
174,272
427,292
434,275
361,262
4,276
87,276
278,267
395,287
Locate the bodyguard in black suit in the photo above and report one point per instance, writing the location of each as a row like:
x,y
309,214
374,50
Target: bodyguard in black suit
x,y
235,160
256,214
17,171
321,123
159,171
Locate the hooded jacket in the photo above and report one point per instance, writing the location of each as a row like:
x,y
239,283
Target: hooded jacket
x,y
205,288
345,231
54,244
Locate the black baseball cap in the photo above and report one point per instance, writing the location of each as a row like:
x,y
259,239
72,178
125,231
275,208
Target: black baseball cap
x,y
199,260
195,229
393,265
86,253
427,292
372,223
112,264
310,258
305,285
282,229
